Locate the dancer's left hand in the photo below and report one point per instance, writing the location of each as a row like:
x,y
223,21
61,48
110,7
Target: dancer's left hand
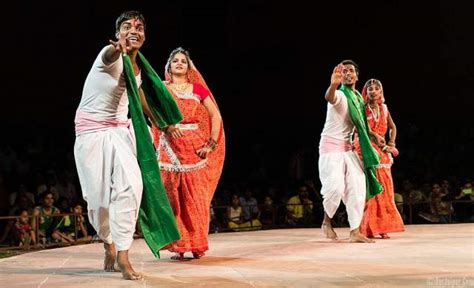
x,y
203,151
393,151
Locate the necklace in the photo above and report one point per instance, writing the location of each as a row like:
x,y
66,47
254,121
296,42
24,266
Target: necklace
x,y
180,88
375,112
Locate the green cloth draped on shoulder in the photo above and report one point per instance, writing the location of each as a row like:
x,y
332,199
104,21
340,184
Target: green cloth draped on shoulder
x,y
156,217
369,156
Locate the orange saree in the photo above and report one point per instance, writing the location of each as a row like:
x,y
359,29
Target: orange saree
x,y
190,181
380,213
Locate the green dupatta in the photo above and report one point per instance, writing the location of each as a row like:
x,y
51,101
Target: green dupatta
x,y
156,217
370,158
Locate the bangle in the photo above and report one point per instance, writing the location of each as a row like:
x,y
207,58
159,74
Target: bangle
x,y
384,148
391,144
212,144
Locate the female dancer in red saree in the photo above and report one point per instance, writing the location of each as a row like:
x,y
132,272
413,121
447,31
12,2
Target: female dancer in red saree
x,y
380,214
190,154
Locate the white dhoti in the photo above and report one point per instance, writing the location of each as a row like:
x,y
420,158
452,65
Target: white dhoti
x,y
343,178
111,183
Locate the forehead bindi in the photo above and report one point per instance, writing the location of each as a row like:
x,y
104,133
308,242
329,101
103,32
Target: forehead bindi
x,y
133,22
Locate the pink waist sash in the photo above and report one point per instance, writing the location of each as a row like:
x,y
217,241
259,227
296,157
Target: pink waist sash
x,y
328,145
87,122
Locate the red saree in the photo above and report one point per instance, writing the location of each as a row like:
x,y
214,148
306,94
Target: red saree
x,y
380,213
190,181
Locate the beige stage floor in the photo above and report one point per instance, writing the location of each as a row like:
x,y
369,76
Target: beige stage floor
x,y
423,256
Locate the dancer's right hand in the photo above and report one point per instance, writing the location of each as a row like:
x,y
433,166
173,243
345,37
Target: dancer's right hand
x,y
336,77
120,45
174,132
379,140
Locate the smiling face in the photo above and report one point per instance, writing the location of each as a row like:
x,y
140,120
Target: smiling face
x,y
133,31
350,76
179,64
375,93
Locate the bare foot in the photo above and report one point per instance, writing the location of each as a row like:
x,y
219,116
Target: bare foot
x,y
178,256
127,270
328,231
384,236
110,258
357,237
198,255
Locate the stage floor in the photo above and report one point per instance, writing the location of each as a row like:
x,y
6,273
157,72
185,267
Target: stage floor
x,y
422,256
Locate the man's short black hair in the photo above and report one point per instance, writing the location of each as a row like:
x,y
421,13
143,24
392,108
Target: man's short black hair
x,y
351,62
127,15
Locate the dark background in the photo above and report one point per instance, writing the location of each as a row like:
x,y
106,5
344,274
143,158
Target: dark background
x,y
268,66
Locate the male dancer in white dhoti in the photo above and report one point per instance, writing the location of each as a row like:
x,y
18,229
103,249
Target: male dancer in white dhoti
x,y
340,171
106,150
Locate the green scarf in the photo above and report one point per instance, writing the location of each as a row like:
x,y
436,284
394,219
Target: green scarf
x,y
370,158
156,217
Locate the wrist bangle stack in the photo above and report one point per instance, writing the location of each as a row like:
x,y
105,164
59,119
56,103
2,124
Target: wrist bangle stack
x,y
212,144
